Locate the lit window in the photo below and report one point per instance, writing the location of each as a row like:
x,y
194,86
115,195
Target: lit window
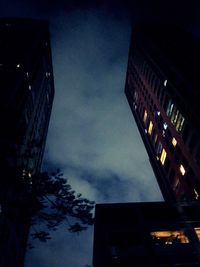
x,y
165,125
174,116
180,123
18,65
145,116
163,156
165,83
170,108
158,113
169,237
150,127
163,133
197,230
196,194
29,87
182,169
174,141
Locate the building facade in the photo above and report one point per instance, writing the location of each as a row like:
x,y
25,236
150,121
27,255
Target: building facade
x,y
26,97
162,88
154,234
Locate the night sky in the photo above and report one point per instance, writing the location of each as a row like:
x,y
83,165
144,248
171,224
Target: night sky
x,y
92,135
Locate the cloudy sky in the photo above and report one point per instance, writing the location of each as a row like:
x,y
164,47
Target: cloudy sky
x,y
92,135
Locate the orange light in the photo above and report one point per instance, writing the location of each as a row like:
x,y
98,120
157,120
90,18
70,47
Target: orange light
x,y
145,116
174,141
150,128
163,156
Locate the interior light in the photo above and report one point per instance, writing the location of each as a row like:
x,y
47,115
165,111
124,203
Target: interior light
x,y
182,169
145,116
197,230
158,113
174,141
165,83
165,125
29,87
150,128
163,156
18,65
196,194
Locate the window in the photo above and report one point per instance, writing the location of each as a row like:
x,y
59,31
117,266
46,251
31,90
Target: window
x,y
150,128
170,107
165,125
163,156
136,96
197,230
196,194
174,116
155,138
180,123
145,116
169,237
158,148
176,184
174,141
165,83
182,169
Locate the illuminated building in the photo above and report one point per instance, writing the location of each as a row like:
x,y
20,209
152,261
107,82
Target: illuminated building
x,y
154,234
162,88
26,98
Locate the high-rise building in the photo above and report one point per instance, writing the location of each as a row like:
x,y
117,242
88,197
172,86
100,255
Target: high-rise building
x,y
26,97
154,234
162,88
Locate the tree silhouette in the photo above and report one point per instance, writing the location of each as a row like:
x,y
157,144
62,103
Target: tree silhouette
x,y
53,201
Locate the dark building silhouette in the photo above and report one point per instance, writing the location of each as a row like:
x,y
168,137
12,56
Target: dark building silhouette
x,y
154,234
26,96
162,88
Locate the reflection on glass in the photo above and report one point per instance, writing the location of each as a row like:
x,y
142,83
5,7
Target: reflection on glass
x,y
169,237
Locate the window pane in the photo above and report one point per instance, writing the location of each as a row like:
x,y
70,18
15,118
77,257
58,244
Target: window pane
x,y
169,237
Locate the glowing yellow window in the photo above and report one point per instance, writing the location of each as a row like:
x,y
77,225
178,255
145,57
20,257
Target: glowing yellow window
x,y
169,237
163,156
197,230
174,141
182,169
150,128
145,116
